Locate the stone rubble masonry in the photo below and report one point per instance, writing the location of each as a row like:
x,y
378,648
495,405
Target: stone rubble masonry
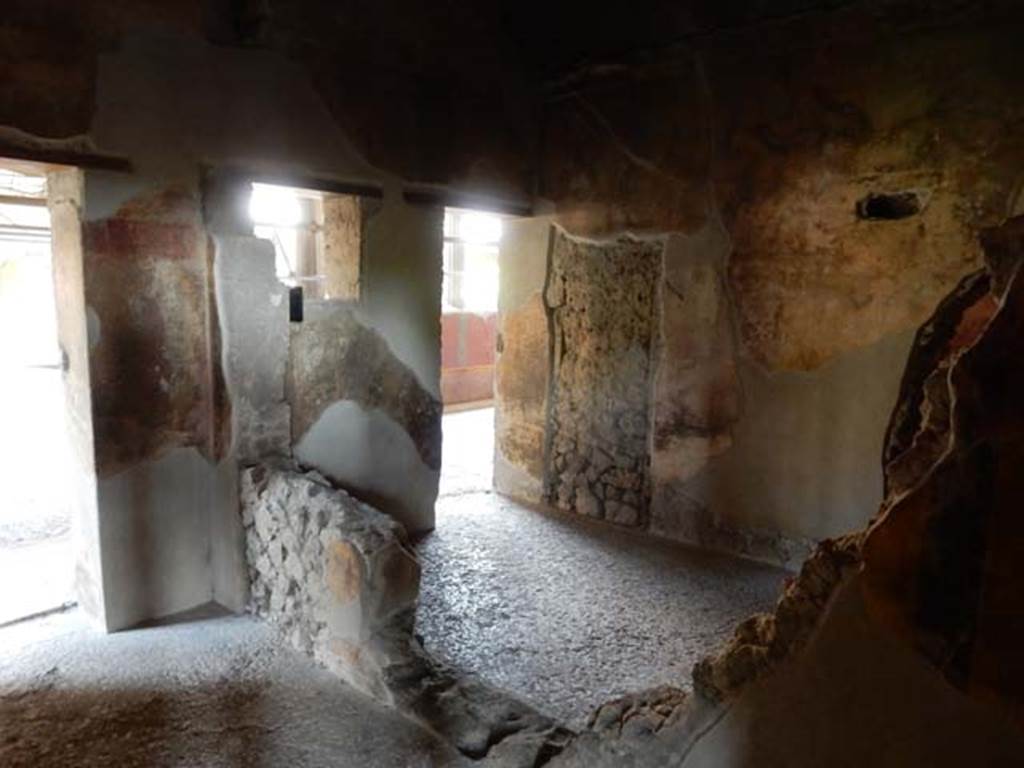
x,y
333,573
601,300
638,715
766,639
337,578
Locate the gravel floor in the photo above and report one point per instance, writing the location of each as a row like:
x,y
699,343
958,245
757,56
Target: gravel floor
x,y
214,692
563,613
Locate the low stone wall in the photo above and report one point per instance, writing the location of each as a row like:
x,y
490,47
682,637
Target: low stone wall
x,y
332,572
335,575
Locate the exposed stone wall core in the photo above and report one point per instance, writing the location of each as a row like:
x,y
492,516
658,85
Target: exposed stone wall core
x,y
336,577
765,640
602,300
332,572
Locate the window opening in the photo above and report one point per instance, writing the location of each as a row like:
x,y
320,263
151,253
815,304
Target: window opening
x,y
471,243
317,238
291,219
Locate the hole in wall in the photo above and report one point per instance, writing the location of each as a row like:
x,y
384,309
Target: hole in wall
x,y
889,206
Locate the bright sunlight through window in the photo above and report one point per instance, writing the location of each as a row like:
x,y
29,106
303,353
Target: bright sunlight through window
x,y
471,241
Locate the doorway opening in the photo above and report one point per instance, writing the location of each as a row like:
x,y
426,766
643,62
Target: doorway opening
x,y
36,555
469,313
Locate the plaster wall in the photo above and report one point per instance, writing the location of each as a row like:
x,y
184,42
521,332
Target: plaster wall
x,y
252,314
66,192
158,397
329,389
401,282
252,321
522,361
801,462
155,537
749,459
361,416
185,372
785,310
741,458
886,690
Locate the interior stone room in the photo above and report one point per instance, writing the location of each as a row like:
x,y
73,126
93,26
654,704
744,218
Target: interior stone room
x,y
512,385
